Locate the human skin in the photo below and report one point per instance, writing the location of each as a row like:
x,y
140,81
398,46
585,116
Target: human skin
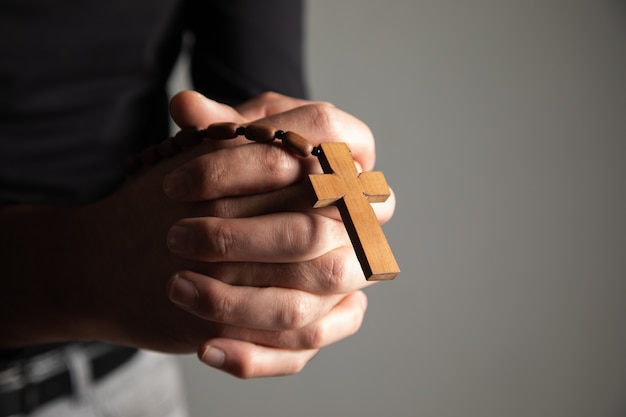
x,y
269,281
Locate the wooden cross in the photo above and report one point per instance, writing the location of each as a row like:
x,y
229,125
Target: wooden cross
x,y
352,193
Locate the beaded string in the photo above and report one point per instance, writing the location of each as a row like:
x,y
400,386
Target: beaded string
x,y
190,137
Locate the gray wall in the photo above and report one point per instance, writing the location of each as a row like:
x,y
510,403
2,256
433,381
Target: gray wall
x,y
501,126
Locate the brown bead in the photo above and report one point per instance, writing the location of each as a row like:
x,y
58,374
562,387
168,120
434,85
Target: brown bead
x,y
150,155
221,131
297,144
187,137
260,133
132,164
168,148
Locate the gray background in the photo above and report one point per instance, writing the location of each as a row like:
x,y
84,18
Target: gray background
x,y
501,126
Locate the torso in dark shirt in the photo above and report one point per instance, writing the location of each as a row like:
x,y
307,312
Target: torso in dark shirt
x,y
82,82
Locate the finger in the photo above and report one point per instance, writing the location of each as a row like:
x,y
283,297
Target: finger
x,y
192,109
294,198
336,272
240,170
287,237
247,360
235,187
267,104
267,308
342,321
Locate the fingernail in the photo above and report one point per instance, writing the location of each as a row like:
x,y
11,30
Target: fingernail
x,y
183,293
176,185
179,239
213,357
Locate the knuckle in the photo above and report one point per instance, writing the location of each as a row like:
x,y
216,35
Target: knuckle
x,y
279,163
217,306
299,234
324,117
210,173
295,314
324,332
222,240
315,336
332,272
223,309
203,176
310,233
244,367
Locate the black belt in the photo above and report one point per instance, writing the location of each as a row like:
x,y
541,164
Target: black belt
x,y
30,383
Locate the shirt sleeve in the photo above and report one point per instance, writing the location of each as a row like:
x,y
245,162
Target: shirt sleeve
x,y
242,48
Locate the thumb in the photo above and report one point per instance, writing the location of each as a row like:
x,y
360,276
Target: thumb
x,y
192,109
268,104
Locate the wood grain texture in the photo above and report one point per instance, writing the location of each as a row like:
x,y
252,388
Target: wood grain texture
x,y
352,193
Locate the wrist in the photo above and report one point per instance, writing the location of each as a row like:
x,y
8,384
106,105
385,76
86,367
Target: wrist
x,y
44,260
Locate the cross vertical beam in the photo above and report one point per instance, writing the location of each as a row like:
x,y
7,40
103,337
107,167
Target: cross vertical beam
x,y
351,192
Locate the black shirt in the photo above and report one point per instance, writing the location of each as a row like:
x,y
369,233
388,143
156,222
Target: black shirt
x,y
83,82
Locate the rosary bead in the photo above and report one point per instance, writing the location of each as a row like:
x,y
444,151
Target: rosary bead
x,y
221,131
187,137
132,164
260,133
168,148
297,144
150,155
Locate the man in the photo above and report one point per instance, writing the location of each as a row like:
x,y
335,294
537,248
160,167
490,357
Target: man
x,y
213,250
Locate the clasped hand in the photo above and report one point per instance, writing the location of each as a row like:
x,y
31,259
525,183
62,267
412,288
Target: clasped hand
x,y
253,278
